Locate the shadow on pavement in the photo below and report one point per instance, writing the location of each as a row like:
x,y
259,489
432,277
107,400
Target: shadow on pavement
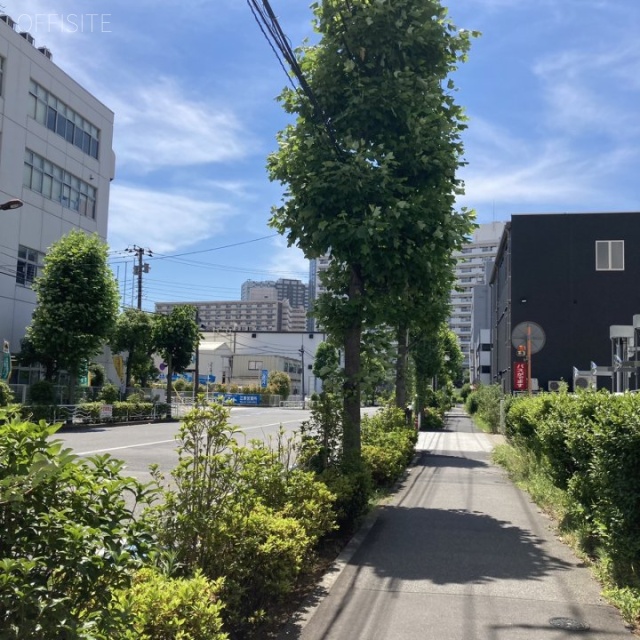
x,y
452,546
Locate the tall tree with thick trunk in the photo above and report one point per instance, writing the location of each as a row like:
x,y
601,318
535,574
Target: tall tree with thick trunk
x,y
369,166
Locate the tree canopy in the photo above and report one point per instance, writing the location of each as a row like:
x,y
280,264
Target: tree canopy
x,y
369,165
133,333
176,336
77,302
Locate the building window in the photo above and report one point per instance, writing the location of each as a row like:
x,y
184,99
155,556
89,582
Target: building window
x,y
29,262
610,255
255,365
46,109
1,73
56,184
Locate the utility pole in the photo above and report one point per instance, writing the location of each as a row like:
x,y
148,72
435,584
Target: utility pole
x,y
301,352
140,268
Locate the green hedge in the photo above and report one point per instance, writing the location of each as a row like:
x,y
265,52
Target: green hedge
x,y
89,412
590,443
388,445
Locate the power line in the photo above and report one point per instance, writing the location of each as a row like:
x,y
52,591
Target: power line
x,y
160,256
276,37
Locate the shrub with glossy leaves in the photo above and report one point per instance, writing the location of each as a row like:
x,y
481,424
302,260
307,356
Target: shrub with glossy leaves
x,y
241,513
165,608
388,445
69,537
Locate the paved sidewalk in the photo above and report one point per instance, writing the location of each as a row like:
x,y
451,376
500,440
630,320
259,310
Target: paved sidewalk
x,y
458,554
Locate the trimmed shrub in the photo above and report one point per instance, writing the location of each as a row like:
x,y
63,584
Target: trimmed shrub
x,y
69,541
242,514
590,445
163,608
353,488
484,403
388,445
109,394
42,392
432,419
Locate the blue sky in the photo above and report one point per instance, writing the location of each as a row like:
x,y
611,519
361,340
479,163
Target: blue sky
x,y
551,89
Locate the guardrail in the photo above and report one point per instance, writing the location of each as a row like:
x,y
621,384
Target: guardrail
x,y
291,404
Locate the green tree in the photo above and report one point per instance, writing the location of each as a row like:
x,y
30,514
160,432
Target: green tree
x,y
77,302
370,164
30,356
326,366
176,336
133,333
280,384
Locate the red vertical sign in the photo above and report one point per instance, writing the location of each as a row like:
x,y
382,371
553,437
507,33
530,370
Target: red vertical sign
x,y
520,375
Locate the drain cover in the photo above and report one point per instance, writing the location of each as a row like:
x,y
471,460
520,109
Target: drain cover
x,y
569,624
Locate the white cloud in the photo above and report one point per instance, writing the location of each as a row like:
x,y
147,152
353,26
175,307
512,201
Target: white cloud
x,y
578,86
288,262
162,221
504,168
158,126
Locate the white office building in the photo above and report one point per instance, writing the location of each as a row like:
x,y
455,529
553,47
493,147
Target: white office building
x,y
56,157
470,271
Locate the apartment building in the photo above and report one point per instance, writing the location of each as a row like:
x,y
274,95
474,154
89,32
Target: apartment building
x,y
239,315
295,291
471,267
56,157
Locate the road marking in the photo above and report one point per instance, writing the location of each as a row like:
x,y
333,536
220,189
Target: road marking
x,y
264,426
151,444
129,446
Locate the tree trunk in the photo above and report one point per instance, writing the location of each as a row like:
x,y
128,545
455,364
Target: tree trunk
x,y
169,384
402,338
351,432
127,376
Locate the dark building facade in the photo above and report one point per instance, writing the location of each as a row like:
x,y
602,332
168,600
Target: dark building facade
x,y
574,276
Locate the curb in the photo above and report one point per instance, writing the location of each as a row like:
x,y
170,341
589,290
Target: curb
x,y
310,604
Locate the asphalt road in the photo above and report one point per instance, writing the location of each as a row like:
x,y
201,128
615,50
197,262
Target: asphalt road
x,y
141,445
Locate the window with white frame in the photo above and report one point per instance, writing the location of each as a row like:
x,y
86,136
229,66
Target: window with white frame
x,y
29,262
255,365
609,255
54,114
54,183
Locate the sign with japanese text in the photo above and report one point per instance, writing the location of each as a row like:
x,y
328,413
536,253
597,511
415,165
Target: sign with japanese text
x,y
520,376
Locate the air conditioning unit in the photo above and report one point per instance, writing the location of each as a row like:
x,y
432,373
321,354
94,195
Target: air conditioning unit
x,y
554,385
584,381
27,36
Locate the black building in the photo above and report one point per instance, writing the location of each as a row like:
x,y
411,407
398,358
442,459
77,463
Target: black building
x,y
574,276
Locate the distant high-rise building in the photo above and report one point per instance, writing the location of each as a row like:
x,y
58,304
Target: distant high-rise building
x,y
316,267
471,266
295,291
